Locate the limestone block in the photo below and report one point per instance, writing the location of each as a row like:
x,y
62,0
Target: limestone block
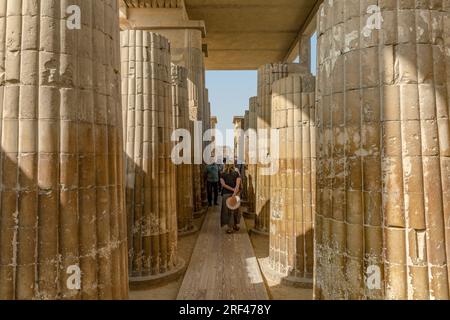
x,y
382,112
62,216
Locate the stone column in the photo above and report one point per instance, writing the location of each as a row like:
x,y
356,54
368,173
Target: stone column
x,y
170,19
183,171
238,127
150,187
383,150
267,75
305,51
292,190
251,173
62,219
246,159
206,125
196,105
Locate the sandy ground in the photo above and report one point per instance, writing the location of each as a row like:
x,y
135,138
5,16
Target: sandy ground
x,y
186,246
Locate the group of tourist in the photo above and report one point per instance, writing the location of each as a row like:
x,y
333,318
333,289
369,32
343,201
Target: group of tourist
x,y
225,178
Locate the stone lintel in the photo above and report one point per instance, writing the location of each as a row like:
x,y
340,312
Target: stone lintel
x,y
159,19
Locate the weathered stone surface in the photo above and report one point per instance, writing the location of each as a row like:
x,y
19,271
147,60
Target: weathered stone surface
x,y
183,171
170,20
292,187
383,151
196,91
246,156
61,167
267,75
150,173
251,156
238,137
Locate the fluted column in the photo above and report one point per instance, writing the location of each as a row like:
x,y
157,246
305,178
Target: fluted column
x,y
246,157
183,171
384,149
292,191
150,188
62,219
267,75
251,166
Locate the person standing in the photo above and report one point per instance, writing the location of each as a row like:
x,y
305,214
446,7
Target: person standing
x,y
212,183
231,183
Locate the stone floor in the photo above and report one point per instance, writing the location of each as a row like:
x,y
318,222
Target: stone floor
x,y
209,276
223,266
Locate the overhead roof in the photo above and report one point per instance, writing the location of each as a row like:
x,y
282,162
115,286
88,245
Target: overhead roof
x,y
245,34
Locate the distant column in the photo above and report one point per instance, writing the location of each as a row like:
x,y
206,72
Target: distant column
x,y
251,172
62,219
183,171
246,157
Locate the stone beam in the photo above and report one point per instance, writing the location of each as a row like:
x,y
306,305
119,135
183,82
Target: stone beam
x,y
154,15
306,29
161,19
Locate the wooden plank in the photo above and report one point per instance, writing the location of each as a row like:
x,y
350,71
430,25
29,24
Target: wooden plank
x,y
222,266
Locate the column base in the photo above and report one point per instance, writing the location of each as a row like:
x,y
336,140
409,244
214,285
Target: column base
x,y
187,232
259,232
249,215
200,213
246,213
146,282
287,280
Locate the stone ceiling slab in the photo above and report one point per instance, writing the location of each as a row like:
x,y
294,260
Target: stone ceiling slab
x,y
243,34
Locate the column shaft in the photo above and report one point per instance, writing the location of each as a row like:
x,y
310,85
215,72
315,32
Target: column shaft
x,y
383,151
246,157
183,171
150,187
61,192
292,190
267,75
251,173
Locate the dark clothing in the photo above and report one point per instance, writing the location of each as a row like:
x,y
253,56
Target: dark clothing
x,y
241,169
230,218
230,180
212,187
212,173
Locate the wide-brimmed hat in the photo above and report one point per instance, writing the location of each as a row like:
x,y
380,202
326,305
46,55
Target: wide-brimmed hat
x,y
233,203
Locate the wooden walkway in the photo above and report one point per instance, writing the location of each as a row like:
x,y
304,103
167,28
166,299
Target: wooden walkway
x,y
223,266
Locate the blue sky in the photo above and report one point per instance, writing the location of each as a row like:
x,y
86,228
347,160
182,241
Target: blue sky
x,y
229,92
